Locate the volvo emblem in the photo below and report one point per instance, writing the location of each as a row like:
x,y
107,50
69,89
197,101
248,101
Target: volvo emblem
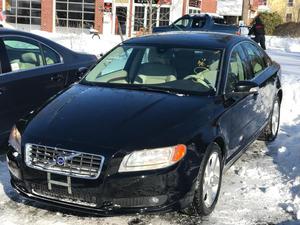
x,y
60,160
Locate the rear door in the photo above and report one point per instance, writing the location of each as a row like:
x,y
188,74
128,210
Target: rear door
x,y
264,74
32,76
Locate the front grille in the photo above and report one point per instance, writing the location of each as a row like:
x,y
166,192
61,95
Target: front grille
x,y
62,161
78,196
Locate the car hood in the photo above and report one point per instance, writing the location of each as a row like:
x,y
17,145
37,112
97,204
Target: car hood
x,y
118,118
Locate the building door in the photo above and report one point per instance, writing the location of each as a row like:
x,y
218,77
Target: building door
x,y
121,20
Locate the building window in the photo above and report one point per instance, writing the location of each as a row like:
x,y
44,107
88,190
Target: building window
x,y
164,16
154,16
290,2
195,3
194,11
160,16
23,11
139,17
288,17
262,2
75,13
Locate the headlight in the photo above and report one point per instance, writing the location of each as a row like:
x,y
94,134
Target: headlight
x,y
151,159
15,139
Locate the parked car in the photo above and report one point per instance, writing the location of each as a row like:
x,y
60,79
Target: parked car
x,y
151,127
32,69
200,22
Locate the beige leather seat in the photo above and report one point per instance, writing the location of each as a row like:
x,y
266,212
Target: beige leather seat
x,y
157,70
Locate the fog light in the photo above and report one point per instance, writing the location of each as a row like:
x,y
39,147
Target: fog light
x,y
15,154
154,200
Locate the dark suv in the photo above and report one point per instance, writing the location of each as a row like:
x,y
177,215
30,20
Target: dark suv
x,y
200,22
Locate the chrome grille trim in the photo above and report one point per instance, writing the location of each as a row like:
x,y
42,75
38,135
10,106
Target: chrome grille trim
x,y
77,164
67,200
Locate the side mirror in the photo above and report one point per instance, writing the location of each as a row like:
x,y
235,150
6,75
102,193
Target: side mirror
x,y
81,71
246,87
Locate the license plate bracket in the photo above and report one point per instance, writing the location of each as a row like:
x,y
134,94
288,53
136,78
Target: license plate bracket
x,y
67,184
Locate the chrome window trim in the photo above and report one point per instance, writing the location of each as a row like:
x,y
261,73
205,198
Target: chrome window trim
x,y
40,43
227,66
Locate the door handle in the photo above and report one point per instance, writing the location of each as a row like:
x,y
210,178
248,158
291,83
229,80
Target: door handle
x,y
57,78
2,91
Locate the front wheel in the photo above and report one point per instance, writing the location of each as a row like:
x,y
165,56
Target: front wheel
x,y
271,130
208,184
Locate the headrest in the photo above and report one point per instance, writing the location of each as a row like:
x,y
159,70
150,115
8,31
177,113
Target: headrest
x,y
29,58
154,56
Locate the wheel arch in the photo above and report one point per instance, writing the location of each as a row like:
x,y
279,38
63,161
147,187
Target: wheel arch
x,y
221,143
279,94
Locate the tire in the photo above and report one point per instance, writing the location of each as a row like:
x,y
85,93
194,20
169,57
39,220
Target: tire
x,y
271,130
207,186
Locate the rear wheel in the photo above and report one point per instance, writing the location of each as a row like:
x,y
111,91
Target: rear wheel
x,y
271,130
208,184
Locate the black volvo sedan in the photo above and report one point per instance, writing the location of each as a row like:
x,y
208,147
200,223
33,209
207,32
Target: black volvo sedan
x,y
152,127
33,69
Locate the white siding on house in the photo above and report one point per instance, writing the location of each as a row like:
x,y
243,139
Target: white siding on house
x,y
230,7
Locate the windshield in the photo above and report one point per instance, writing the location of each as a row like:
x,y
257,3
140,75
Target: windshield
x,y
178,69
196,22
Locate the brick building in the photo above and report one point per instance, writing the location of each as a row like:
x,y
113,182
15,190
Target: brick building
x,y
107,16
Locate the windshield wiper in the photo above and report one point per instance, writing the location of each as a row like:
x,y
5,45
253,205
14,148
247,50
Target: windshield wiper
x,y
154,89
137,87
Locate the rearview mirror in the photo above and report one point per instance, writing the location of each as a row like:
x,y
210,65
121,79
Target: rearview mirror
x,y
247,87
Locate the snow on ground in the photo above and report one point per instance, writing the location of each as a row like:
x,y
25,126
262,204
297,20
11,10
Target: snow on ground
x,y
261,188
283,43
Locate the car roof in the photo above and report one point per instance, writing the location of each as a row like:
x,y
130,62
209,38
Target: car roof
x,y
213,15
189,39
52,44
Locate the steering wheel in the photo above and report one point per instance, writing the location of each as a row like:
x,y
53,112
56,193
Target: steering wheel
x,y
198,68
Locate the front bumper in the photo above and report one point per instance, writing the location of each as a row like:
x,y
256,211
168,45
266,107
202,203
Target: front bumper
x,y
112,194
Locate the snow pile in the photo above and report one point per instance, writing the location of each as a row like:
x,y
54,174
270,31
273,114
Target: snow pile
x,y
285,148
283,43
83,42
230,7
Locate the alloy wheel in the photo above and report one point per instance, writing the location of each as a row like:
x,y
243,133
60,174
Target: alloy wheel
x,y
211,180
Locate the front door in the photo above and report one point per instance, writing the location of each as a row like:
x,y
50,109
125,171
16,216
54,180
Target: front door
x,y
238,119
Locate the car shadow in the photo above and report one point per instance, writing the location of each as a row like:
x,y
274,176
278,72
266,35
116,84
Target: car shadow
x,y
286,156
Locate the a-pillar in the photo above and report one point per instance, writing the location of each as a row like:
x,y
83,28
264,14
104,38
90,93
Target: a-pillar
x,y
48,15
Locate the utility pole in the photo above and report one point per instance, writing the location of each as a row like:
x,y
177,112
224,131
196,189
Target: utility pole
x,y
245,12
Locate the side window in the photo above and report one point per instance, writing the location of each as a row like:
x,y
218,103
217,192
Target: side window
x,y
257,63
198,22
51,57
182,22
23,54
236,69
